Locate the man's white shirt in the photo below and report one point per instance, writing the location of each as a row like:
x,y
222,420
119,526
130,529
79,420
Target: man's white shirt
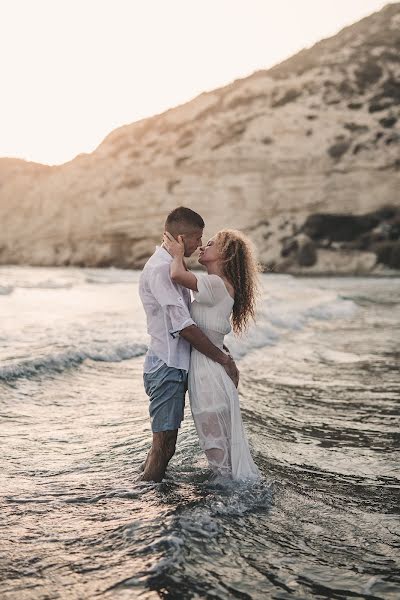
x,y
167,307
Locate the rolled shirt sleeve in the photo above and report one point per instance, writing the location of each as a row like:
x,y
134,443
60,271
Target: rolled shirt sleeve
x,y
168,295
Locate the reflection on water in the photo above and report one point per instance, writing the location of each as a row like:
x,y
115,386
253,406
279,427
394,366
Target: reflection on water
x,y
320,402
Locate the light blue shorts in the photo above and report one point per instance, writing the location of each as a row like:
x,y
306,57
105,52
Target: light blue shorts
x,y
166,389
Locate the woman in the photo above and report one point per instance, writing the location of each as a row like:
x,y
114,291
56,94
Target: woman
x,y
227,292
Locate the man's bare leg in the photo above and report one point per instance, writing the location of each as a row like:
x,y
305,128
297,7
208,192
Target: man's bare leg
x,y
161,452
143,465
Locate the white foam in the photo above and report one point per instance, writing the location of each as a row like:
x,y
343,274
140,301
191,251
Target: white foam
x,y
94,323
174,544
288,304
336,309
199,521
241,498
110,275
57,363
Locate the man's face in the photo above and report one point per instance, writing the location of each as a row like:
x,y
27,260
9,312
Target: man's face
x,y
192,240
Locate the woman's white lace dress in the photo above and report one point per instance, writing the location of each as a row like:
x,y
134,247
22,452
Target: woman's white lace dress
x,y
213,396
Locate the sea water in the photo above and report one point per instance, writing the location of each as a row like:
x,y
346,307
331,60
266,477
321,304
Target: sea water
x,y
319,392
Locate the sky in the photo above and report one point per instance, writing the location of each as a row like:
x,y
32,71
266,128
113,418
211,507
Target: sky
x,y
73,70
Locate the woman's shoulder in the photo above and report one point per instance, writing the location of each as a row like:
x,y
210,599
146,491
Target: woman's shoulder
x,y
230,288
221,283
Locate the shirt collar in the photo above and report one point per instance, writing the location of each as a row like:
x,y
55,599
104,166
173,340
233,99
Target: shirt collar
x,y
163,254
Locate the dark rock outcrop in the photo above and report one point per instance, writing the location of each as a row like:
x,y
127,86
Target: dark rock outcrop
x,y
377,233
338,228
307,254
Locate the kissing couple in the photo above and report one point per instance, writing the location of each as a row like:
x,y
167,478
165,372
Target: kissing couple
x,y
187,351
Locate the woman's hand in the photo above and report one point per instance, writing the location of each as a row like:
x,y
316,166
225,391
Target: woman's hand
x,y
175,247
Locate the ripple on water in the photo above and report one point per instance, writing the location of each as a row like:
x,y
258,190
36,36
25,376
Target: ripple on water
x,y
321,411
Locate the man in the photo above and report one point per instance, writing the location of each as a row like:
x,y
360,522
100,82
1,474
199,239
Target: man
x,y
172,332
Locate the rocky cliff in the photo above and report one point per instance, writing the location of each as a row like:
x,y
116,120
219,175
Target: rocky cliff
x,y
287,155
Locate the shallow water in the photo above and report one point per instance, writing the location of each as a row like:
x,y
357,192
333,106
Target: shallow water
x,y
319,391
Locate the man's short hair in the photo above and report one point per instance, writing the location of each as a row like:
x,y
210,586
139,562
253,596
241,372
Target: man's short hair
x,y
181,217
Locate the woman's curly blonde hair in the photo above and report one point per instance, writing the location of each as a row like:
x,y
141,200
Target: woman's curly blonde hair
x,y
241,268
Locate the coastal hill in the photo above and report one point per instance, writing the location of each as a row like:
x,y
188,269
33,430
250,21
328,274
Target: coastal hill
x,y
303,157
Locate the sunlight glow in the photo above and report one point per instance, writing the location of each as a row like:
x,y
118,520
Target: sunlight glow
x,y
74,70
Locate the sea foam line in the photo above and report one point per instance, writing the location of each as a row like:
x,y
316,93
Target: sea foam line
x,y
58,363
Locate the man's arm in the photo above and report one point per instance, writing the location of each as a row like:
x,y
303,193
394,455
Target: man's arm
x,y
200,341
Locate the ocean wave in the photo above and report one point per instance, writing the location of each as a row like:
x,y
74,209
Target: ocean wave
x,y
57,363
63,278
40,285
109,276
278,316
47,285
39,277
235,499
336,309
363,300
283,310
204,524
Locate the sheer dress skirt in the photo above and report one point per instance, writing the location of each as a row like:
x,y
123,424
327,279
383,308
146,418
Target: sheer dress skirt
x,y
214,403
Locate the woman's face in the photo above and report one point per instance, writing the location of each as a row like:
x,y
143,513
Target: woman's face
x,y
210,252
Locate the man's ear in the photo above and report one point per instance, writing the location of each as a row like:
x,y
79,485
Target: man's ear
x,y
175,236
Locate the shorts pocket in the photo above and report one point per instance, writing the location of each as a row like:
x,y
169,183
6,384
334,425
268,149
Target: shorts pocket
x,y
149,382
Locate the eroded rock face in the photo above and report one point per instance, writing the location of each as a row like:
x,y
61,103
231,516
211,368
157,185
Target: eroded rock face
x,y
339,228
316,134
360,241
331,262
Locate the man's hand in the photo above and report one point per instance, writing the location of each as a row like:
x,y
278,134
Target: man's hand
x,y
232,370
200,341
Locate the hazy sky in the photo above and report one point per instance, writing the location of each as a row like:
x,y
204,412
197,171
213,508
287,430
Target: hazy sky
x,y
74,70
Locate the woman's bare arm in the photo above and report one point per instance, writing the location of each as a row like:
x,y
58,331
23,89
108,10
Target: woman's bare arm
x,y
178,271
181,275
